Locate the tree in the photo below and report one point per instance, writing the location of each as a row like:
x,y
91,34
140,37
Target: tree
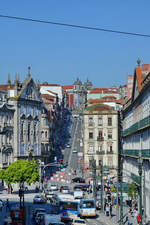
x,y
132,191
20,171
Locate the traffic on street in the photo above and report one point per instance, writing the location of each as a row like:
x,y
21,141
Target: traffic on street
x,y
65,194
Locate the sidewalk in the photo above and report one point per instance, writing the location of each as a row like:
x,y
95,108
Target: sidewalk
x,y
115,218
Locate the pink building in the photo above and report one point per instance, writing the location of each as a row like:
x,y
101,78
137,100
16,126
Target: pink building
x,y
129,85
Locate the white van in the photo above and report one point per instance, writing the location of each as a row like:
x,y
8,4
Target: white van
x,y
51,219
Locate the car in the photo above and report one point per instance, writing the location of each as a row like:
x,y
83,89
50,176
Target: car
x,y
39,199
74,151
77,221
48,194
37,210
51,219
68,146
78,180
39,217
53,187
64,189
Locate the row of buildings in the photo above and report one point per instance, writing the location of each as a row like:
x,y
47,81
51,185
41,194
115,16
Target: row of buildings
x,y
116,131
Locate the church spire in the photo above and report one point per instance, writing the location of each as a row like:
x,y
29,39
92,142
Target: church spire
x,y
9,81
29,74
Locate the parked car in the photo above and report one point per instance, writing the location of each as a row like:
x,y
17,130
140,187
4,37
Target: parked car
x,y
39,199
64,189
78,180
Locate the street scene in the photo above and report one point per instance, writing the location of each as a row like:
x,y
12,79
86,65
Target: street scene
x,y
74,112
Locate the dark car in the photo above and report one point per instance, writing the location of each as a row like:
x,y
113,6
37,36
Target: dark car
x,y
78,187
78,180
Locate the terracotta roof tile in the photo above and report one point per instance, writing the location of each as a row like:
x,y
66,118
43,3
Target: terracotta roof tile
x,y
49,85
98,107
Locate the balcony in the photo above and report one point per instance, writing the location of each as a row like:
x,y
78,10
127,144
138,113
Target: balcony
x,y
90,152
91,124
100,138
110,152
135,153
139,125
100,152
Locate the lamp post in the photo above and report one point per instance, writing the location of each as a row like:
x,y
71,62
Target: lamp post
x,y
101,179
94,178
121,196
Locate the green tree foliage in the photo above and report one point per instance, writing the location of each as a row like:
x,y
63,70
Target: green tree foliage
x,y
132,191
112,188
20,171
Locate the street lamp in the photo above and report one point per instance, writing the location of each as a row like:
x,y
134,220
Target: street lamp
x,y
101,178
94,178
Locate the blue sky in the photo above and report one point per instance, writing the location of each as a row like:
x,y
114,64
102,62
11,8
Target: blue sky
x,y
59,54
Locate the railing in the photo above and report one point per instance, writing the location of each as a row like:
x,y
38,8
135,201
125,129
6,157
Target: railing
x,y
91,124
110,152
99,138
135,152
135,178
100,152
137,126
90,152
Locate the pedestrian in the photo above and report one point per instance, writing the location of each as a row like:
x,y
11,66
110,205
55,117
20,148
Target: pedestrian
x,y
110,210
129,217
138,219
107,210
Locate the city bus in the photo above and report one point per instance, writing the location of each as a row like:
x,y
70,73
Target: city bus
x,y
87,208
68,207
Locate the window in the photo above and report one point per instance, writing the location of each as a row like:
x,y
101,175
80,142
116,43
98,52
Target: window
x,y
109,121
109,134
91,148
100,123
46,134
34,132
21,131
28,131
90,135
100,133
100,148
110,148
90,121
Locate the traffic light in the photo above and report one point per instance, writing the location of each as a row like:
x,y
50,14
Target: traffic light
x,y
61,163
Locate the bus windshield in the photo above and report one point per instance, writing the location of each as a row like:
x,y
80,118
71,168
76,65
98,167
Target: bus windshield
x,y
72,206
88,204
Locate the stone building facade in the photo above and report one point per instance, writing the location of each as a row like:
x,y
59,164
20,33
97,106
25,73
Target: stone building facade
x,y
100,136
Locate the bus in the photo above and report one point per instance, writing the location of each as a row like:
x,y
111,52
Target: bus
x,y
87,208
68,207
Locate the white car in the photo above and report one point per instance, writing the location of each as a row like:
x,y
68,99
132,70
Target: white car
x,y
78,221
74,151
53,187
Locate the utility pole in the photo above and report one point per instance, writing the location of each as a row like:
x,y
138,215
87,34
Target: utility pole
x,y
101,179
94,178
121,191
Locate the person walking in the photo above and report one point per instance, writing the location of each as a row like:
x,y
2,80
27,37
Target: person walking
x,y
138,219
129,217
110,210
107,210
7,205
